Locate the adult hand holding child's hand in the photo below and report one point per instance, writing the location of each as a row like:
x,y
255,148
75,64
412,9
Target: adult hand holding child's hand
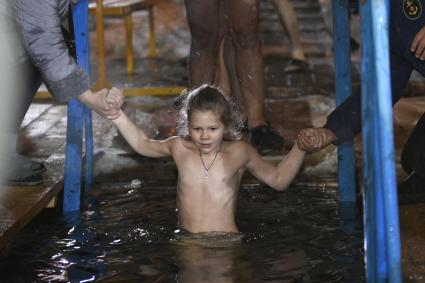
x,y
106,103
315,139
114,99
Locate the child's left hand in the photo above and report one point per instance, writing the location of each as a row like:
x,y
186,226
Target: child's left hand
x,y
315,139
307,140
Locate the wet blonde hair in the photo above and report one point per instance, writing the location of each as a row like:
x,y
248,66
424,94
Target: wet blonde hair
x,y
209,98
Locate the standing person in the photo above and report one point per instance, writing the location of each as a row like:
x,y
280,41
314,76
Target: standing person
x,y
45,58
209,21
211,160
407,53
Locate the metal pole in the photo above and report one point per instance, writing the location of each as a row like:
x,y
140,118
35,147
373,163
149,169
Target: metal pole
x,y
382,238
100,33
81,29
77,115
343,89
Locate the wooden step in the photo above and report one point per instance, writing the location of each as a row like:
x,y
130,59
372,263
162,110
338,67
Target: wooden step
x,y
20,204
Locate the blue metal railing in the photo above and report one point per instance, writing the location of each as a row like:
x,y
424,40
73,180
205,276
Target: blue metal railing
x,y
79,121
382,238
343,89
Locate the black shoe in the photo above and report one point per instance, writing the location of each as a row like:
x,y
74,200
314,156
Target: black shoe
x,y
37,167
354,45
412,190
265,137
296,66
24,162
32,180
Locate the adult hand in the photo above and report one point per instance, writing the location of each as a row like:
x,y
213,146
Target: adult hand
x,y
97,101
315,139
418,44
115,98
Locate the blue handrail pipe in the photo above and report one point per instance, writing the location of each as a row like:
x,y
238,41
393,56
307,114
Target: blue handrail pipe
x,y
79,122
381,226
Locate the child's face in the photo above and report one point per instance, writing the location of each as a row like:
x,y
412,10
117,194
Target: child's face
x,y
206,130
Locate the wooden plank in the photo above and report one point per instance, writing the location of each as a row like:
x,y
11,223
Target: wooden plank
x,y
136,91
45,137
36,110
19,205
121,8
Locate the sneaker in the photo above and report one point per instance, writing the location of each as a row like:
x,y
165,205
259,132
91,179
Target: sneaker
x,y
412,190
296,66
19,171
31,180
265,136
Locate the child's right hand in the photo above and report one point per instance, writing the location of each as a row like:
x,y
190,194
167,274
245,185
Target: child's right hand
x,y
114,100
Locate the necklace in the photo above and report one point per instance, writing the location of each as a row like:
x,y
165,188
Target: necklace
x,y
206,169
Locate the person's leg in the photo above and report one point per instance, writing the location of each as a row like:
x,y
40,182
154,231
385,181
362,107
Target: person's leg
x,y
243,20
229,56
289,20
227,78
21,170
413,155
203,20
412,189
243,16
226,75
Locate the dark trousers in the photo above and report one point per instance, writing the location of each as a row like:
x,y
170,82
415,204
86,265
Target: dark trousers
x,y
413,154
345,120
30,82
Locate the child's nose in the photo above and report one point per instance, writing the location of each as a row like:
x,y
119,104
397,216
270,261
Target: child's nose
x,y
204,135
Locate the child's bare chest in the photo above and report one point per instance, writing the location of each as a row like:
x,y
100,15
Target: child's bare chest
x,y
221,170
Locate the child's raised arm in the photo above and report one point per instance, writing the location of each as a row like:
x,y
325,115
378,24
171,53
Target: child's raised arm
x,y
281,176
138,140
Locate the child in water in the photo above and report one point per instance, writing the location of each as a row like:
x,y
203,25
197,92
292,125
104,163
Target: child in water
x,y
211,160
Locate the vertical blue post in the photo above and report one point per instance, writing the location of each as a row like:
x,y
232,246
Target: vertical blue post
x,y
76,113
89,149
81,30
382,237
343,89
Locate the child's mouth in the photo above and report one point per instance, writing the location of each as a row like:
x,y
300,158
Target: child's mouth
x,y
205,145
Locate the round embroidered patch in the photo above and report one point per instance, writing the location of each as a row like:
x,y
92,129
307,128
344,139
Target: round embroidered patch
x,y
412,9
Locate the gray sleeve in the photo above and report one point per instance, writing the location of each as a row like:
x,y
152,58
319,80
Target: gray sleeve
x,y
39,22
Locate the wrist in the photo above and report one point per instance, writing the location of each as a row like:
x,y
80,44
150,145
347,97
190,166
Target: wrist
x,y
299,146
88,98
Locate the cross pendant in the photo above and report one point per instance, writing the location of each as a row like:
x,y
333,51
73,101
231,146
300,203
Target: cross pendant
x,y
205,173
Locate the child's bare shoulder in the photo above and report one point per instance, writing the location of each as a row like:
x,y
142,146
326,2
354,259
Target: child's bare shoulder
x,y
240,146
178,143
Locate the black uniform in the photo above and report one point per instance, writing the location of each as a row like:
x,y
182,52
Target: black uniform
x,y
406,19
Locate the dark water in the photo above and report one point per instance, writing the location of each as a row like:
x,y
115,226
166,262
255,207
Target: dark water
x,y
130,234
